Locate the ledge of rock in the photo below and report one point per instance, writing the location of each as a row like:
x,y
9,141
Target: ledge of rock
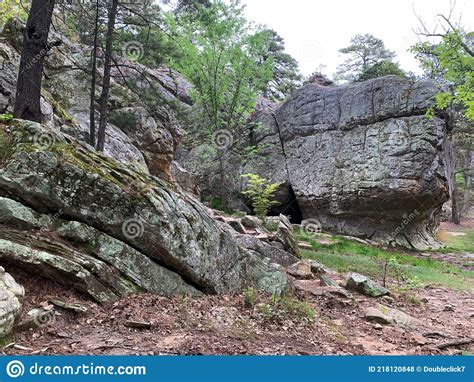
x,y
109,230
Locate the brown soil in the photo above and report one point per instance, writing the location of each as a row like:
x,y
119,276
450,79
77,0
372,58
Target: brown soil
x,y
222,325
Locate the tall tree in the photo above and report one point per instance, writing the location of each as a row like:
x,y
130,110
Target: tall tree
x,y
221,59
382,68
285,73
363,52
104,98
93,76
448,57
35,47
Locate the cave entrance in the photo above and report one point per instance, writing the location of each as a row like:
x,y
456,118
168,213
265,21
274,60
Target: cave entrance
x,y
288,207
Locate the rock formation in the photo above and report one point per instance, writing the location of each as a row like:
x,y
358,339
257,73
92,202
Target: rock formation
x,y
88,221
143,128
359,159
10,292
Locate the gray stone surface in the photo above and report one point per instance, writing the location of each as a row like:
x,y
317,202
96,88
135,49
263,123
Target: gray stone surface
x,y
361,159
365,285
143,129
10,292
141,211
389,316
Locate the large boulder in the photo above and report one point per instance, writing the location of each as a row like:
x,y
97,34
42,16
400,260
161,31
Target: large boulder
x,y
359,159
138,226
10,292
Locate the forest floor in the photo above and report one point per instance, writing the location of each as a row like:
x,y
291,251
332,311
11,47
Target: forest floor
x,y
436,289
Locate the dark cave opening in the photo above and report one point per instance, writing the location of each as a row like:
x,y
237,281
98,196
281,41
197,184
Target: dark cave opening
x,y
289,207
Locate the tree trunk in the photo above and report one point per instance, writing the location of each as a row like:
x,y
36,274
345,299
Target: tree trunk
x,y
106,78
456,208
222,181
468,174
35,47
93,78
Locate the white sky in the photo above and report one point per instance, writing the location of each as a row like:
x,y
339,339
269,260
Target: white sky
x,y
315,30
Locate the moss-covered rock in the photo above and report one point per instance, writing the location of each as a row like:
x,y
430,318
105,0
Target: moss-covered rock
x,y
154,236
365,285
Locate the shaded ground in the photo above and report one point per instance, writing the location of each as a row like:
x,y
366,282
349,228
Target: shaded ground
x,y
442,299
222,325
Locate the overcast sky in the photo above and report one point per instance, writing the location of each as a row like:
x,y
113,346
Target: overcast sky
x,y
315,30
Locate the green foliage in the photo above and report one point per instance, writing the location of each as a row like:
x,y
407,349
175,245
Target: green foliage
x,y
11,9
126,121
364,52
285,72
6,118
249,298
216,203
261,194
220,56
380,69
451,60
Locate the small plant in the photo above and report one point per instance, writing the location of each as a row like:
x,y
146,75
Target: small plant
x,y
124,120
281,308
5,118
261,194
249,298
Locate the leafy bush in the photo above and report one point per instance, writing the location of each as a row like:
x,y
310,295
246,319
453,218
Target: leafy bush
x,y
126,121
5,118
261,194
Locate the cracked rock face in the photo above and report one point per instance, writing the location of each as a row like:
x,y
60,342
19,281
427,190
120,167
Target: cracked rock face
x,y
88,221
361,159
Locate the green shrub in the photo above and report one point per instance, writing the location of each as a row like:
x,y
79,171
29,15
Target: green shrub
x,y
261,194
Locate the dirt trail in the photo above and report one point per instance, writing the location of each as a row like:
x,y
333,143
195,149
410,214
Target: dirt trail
x,y
222,325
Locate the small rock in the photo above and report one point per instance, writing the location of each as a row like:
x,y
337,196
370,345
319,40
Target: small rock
x,y
389,316
252,222
137,324
286,236
365,285
327,281
232,222
448,308
10,291
78,308
388,300
301,270
317,267
312,286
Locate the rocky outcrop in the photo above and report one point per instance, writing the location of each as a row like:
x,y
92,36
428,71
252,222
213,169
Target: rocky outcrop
x,y
108,230
10,292
143,128
359,159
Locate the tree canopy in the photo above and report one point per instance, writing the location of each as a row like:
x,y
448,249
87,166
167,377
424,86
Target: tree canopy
x,y
367,57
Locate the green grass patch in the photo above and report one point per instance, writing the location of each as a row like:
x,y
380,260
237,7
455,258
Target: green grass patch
x,y
462,243
344,255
